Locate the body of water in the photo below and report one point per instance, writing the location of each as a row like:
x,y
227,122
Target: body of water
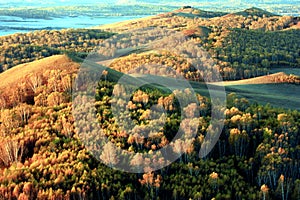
x,y
11,25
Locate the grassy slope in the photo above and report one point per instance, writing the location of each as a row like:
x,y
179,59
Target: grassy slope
x,y
257,80
14,74
278,95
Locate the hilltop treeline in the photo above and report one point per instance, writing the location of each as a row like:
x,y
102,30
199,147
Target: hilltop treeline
x,y
25,47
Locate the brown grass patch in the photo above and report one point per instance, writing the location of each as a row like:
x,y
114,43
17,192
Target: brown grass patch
x,y
279,77
17,73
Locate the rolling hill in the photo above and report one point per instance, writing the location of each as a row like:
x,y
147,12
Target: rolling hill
x,y
97,141
278,77
19,72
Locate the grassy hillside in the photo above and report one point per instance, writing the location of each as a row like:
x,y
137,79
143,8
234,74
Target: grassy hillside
x,y
19,72
278,95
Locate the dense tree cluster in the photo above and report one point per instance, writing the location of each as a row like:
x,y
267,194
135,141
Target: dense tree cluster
x,y
254,22
262,49
255,157
253,53
161,64
25,47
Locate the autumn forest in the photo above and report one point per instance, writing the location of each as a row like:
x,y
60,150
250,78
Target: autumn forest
x,y
46,153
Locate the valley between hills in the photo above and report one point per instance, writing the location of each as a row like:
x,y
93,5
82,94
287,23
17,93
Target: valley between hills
x,y
59,90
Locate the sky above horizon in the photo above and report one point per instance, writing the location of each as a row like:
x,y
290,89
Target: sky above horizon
x,y
128,2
